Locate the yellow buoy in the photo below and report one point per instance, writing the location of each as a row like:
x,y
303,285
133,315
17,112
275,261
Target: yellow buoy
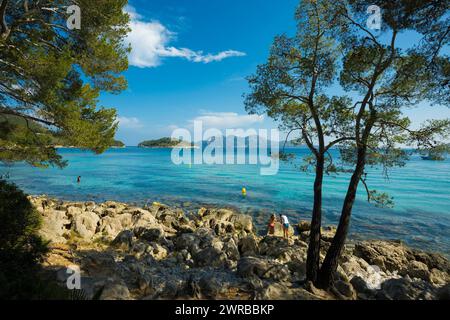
x,y
244,192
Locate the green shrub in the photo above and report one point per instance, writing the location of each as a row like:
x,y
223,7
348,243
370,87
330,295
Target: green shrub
x,y
21,248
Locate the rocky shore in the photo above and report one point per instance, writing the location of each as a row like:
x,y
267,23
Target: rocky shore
x,y
159,252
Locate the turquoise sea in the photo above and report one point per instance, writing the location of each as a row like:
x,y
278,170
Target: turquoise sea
x,y
421,190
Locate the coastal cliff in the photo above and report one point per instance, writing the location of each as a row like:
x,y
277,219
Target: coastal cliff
x,y
159,252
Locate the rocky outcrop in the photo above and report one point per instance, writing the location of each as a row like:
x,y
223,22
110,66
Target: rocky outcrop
x,y
159,252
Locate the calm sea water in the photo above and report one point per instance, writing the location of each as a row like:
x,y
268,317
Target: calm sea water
x,y
421,216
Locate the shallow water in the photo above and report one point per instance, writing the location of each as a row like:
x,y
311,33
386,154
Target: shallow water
x,y
421,216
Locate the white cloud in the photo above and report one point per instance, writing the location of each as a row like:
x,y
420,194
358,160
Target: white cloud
x,y
132,12
150,42
172,127
227,120
129,123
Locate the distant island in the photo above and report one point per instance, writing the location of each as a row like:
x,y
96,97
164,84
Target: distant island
x,y
165,143
118,144
437,153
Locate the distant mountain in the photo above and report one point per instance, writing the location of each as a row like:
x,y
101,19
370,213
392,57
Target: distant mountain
x,y
253,141
165,143
295,143
229,141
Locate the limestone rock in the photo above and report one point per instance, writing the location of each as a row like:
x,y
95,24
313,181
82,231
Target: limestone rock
x,y
149,234
388,255
432,260
279,291
85,224
162,252
281,249
345,288
157,251
248,246
115,291
406,289
72,212
231,250
216,216
327,233
303,226
55,226
251,266
438,277
210,257
112,226
416,269
125,238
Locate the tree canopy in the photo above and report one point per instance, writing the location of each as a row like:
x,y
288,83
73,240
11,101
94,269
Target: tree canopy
x,y
373,80
52,75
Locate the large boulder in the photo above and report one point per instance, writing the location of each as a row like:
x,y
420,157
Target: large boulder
x,y
303,226
252,266
55,226
213,217
73,211
432,260
86,225
361,288
439,277
328,233
406,289
144,219
345,289
157,251
263,268
112,226
388,255
248,246
416,269
280,291
116,290
210,257
115,205
153,233
188,241
282,249
124,239
231,249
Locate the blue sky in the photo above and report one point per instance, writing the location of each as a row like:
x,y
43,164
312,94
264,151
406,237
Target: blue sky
x,y
190,60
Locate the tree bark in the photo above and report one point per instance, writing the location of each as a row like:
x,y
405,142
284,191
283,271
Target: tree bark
x,y
329,266
4,31
313,258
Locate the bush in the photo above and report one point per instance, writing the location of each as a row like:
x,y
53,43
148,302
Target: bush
x,y
21,248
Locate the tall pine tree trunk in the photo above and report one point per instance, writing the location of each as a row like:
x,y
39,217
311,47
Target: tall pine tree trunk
x,y
312,261
330,264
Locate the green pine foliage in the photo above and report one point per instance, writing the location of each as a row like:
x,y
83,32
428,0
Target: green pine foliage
x,y
53,76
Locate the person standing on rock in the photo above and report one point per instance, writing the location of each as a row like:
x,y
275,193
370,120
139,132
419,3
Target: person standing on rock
x,y
271,225
44,204
285,222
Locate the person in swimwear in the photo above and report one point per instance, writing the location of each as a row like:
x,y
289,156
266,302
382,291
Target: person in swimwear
x,y
271,225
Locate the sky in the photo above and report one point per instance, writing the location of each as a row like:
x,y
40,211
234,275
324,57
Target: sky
x,y
189,62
